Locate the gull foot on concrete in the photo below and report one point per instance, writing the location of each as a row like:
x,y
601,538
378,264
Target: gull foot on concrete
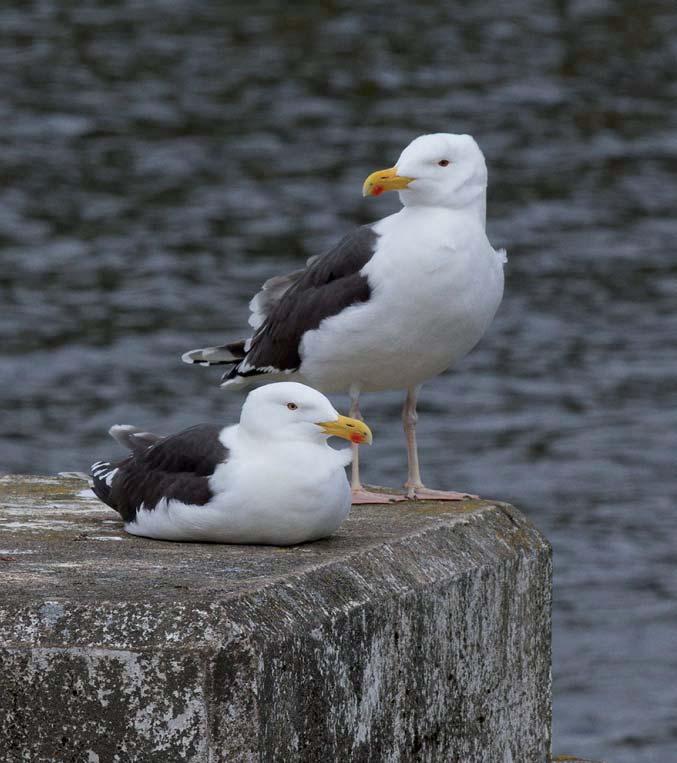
x,y
426,494
363,496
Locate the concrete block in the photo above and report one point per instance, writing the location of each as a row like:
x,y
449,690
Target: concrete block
x,y
419,632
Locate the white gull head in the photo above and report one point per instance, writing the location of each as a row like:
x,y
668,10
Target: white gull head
x,y
289,411
446,170
438,170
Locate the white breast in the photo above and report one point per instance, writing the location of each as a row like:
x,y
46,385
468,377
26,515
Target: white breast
x,y
436,285
284,496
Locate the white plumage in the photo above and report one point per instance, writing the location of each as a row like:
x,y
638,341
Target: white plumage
x,y
394,304
272,478
430,305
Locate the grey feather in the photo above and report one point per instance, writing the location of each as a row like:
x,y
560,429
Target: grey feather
x,y
215,356
262,303
132,438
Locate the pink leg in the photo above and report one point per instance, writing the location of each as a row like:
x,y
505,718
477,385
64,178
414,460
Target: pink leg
x,y
415,488
360,495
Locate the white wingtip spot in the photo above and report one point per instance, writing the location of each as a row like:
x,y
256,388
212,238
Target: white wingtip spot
x,y
110,476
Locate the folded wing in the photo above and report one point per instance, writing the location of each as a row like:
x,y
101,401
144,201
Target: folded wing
x,y
177,467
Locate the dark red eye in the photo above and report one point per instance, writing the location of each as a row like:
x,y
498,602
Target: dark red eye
x,y
443,162
292,406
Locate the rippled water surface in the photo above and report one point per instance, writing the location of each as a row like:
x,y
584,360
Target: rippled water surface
x,y
160,159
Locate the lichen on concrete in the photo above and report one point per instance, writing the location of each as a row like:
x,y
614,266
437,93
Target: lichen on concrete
x,y
420,631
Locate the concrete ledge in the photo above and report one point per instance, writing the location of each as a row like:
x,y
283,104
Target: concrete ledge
x,y
419,632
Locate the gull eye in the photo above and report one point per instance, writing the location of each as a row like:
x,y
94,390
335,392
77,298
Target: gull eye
x,y
292,406
443,162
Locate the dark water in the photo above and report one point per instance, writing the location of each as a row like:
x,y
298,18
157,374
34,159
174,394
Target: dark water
x,y
160,159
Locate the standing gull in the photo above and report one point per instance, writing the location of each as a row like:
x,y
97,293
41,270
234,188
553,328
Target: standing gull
x,y
392,304
271,479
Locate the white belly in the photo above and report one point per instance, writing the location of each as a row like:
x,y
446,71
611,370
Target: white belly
x,y
296,503
424,315
261,497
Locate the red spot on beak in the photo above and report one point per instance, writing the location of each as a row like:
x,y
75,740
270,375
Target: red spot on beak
x,y
357,438
377,190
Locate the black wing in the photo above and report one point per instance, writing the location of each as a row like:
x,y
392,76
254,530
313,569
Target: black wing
x,y
329,284
178,467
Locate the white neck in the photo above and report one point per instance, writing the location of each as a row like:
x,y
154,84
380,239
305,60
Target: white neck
x,y
242,441
471,200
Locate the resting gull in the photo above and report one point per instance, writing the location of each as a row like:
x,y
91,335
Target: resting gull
x,y
392,304
270,479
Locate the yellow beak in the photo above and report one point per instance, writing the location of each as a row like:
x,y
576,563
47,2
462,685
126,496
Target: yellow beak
x,y
384,180
347,428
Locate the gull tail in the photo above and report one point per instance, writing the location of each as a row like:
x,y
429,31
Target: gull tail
x,y
216,356
132,438
103,473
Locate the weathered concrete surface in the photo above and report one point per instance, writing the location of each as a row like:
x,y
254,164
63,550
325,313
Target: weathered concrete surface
x,y
417,633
